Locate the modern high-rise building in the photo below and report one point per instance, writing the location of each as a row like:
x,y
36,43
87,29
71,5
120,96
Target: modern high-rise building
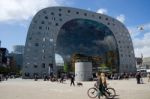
x,y
3,56
19,49
17,54
67,31
0,43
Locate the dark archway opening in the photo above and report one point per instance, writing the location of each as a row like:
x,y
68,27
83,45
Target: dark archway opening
x,y
87,40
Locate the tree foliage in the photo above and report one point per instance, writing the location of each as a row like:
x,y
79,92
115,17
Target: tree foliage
x,y
65,68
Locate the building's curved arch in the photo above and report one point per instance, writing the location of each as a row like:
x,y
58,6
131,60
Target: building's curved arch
x,y
45,26
89,38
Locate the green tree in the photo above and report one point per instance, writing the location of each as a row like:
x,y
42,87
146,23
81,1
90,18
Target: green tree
x,y
65,68
103,65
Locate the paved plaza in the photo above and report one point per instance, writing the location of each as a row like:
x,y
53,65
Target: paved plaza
x,y
30,89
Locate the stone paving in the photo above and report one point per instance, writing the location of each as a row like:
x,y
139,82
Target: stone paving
x,y
30,89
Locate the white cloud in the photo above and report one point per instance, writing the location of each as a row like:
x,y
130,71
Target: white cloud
x,y
102,11
141,40
24,9
121,18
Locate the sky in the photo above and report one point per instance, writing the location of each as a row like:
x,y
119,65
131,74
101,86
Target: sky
x,y
16,15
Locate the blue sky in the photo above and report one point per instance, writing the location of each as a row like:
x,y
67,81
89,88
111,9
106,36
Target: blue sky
x,y
16,15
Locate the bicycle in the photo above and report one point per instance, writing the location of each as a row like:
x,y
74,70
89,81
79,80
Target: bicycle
x,y
94,92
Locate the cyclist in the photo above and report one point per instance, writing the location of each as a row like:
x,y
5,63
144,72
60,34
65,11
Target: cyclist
x,y
101,84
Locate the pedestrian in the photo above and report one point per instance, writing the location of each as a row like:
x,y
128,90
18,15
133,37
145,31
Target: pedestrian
x,y
141,79
62,78
0,77
138,77
148,75
35,77
72,80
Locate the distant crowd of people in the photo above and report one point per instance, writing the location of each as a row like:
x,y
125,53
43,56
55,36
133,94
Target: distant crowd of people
x,y
139,77
120,76
126,76
61,78
64,76
4,77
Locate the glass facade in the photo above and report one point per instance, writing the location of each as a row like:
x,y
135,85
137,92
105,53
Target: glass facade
x,y
89,38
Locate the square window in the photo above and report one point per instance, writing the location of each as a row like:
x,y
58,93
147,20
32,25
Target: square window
x,y
59,9
42,22
77,12
36,44
46,17
69,11
59,14
35,66
56,24
52,13
85,14
40,27
43,65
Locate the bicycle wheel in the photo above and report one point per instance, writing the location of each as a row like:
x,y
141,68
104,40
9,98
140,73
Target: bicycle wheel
x,y
92,92
111,93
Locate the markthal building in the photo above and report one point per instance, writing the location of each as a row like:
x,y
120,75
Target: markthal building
x,y
76,35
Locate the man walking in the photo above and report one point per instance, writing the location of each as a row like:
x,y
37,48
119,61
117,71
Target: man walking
x,y
72,80
148,75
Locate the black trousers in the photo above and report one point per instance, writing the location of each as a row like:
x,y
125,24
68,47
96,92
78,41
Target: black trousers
x,y
72,82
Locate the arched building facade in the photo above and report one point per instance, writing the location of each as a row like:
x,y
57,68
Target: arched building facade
x,y
66,31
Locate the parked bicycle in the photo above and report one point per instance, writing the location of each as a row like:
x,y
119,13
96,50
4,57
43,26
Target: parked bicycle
x,y
94,92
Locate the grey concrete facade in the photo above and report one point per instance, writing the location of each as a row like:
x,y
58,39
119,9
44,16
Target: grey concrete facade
x,y
42,35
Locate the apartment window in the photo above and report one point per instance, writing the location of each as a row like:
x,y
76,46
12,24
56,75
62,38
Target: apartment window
x,y
46,17
59,9
52,13
60,19
59,14
108,23
106,19
43,65
42,22
30,38
69,11
77,12
53,18
56,24
36,44
40,27
51,66
35,66
85,14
